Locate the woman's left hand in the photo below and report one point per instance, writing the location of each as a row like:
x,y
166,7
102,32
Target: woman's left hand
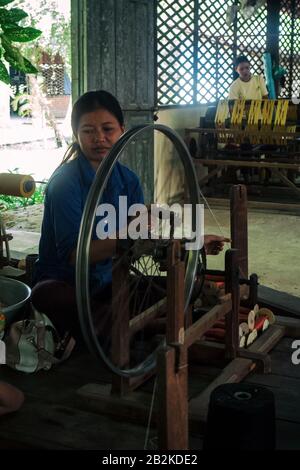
x,y
213,244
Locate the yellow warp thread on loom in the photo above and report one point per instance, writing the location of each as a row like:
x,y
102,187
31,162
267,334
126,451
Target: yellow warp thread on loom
x,y
281,112
238,112
221,113
254,116
16,185
267,112
254,112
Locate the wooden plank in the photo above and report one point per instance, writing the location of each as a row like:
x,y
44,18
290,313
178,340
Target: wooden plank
x,y
239,225
141,320
286,392
281,303
247,163
172,398
236,370
43,425
233,373
232,265
133,407
197,330
199,130
120,335
257,205
291,325
175,295
268,339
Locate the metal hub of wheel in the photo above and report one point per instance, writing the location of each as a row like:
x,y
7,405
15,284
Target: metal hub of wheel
x,y
147,277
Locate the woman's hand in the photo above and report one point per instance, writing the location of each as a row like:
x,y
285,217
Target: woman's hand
x,y
213,244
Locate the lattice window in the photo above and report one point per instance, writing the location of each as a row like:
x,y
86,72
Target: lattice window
x,y
53,78
215,51
252,39
175,50
195,52
296,56
289,46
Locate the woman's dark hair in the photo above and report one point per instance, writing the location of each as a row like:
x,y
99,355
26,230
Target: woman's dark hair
x,y
240,59
87,103
91,101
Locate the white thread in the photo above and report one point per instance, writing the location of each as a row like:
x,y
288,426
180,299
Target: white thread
x,y
212,214
150,416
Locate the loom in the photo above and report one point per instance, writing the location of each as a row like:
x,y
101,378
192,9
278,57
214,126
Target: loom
x,y
262,134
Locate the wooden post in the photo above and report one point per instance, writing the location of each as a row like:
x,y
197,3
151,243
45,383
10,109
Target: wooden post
x,y
172,363
172,398
239,226
175,295
232,319
120,340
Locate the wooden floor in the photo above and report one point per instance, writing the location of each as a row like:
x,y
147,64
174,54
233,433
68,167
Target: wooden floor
x,y
54,416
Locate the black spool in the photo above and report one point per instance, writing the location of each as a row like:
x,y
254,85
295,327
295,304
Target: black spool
x,y
241,416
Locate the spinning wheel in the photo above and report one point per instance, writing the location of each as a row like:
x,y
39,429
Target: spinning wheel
x,y
139,281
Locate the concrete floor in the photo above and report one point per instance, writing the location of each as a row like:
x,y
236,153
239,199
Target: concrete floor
x,y
273,243
274,251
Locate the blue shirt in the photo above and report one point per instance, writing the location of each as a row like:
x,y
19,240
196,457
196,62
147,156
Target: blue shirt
x,y
65,198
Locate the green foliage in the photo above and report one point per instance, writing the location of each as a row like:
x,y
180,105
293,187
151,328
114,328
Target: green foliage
x,y
18,34
4,76
12,16
15,58
13,202
11,32
5,2
56,38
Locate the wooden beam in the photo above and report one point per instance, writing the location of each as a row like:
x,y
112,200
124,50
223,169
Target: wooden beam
x,y
172,398
210,175
197,330
120,341
239,225
247,163
141,320
271,206
291,325
232,318
286,181
236,370
175,295
233,373
241,133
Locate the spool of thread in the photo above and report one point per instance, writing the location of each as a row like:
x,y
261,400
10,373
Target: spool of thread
x,y
16,185
241,416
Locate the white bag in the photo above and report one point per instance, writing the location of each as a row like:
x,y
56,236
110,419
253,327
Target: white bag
x,y
34,344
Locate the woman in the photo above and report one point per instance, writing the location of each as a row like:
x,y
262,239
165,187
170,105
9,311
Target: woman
x,y
97,123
